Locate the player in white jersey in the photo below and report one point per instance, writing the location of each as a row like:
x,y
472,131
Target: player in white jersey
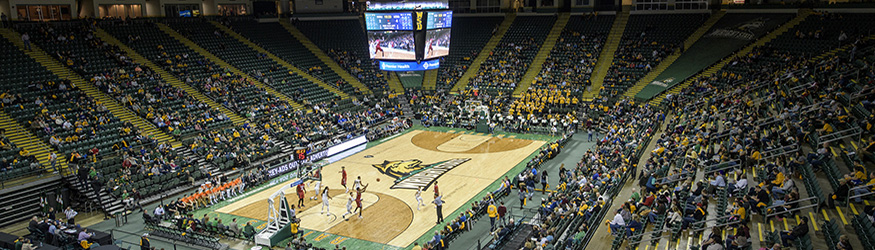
x,y
349,206
325,198
317,184
357,184
419,198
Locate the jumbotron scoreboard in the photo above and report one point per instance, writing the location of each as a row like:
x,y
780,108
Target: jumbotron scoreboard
x,y
408,35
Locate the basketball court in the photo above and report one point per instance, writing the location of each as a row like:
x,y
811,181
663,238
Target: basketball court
x,y
393,54
462,165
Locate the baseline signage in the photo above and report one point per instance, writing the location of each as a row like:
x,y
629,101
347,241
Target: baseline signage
x,y
288,166
409,66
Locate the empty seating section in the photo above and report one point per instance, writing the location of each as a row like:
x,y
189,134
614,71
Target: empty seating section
x,y
274,38
504,68
468,37
646,41
233,91
343,41
134,86
56,110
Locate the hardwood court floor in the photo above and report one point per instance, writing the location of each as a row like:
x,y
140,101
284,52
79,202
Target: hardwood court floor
x,y
390,215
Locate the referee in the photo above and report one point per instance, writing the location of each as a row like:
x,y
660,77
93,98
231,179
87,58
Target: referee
x,y
438,204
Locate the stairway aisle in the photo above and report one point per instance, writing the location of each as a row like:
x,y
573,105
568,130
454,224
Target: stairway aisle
x,y
168,77
146,128
606,57
538,63
481,57
345,75
394,82
667,61
429,81
601,239
717,66
28,141
220,62
282,62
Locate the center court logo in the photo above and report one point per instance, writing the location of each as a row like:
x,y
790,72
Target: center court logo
x,y
412,174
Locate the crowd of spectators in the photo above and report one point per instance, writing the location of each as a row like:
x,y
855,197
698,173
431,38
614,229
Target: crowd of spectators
x,y
504,68
365,70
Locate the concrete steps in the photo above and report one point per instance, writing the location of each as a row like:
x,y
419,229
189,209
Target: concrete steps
x,y
25,140
200,50
167,76
744,51
606,57
395,83
669,60
429,81
345,75
146,128
484,53
282,62
538,63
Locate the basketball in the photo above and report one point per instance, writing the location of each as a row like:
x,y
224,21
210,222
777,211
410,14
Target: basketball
x,y
378,179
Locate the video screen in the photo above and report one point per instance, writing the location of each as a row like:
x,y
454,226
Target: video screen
x,y
407,5
389,21
391,45
439,20
437,43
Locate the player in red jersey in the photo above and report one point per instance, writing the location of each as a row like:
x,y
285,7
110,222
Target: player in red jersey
x,y
343,178
301,192
436,192
430,47
358,200
379,48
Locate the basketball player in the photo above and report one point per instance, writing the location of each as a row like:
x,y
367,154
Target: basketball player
x,y
358,200
301,192
343,178
317,186
349,201
436,192
430,48
357,183
325,208
379,48
419,198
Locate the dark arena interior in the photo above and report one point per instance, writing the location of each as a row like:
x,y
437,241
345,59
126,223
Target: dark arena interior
x,y
437,124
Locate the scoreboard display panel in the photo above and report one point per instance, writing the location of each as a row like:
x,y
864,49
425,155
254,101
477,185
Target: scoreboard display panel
x,y
301,154
437,43
391,45
439,20
389,21
408,35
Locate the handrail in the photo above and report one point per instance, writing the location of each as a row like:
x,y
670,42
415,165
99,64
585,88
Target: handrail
x,y
866,187
112,235
792,202
791,210
722,168
718,225
713,219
